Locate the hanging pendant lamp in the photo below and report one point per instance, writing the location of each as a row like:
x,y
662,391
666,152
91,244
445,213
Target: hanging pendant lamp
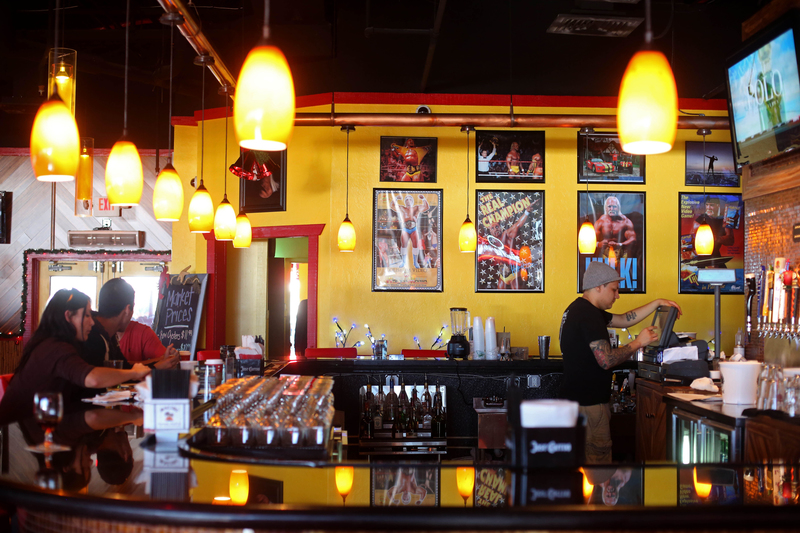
x,y
201,207
647,112
244,231
263,112
587,236
347,232
704,236
168,190
124,174
467,236
225,217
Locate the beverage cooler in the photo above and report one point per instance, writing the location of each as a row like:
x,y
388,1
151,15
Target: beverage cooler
x,y
694,438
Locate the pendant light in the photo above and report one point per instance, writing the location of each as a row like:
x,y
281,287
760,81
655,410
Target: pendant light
x,y
587,237
244,231
201,207
263,112
347,232
84,181
124,174
55,143
225,217
467,236
168,191
704,236
647,112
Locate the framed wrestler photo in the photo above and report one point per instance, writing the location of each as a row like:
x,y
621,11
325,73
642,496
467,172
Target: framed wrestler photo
x,y
618,220
601,160
509,156
262,181
404,485
510,254
409,159
725,214
712,167
406,240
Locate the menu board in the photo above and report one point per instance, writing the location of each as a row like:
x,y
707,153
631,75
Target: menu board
x,y
180,308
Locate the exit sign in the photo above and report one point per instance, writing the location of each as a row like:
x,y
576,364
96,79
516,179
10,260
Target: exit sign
x,y
103,208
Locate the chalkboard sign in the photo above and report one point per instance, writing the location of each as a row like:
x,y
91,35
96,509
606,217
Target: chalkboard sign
x,y
179,311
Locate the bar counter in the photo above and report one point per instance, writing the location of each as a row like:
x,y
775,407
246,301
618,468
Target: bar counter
x,y
163,485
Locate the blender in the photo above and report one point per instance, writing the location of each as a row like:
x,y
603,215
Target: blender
x,y
458,347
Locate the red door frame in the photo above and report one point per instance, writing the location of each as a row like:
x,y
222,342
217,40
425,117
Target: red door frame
x,y
32,275
217,268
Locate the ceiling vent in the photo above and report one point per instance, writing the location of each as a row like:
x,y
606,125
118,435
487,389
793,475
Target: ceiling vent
x,y
106,239
594,26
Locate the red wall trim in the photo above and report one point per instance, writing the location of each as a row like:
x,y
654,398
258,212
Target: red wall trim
x,y
183,121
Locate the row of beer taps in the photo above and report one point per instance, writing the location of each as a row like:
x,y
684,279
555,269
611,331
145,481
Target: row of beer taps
x,y
773,308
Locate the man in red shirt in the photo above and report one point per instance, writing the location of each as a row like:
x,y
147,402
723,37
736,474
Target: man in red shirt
x,y
140,343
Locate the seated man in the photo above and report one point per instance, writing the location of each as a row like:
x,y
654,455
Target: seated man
x,y
140,343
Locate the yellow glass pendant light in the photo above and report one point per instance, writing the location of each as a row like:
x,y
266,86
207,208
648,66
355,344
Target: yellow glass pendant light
x,y
55,144
263,111
587,237
201,207
467,236
343,476
704,236
61,75
647,112
346,239
465,482
244,231
168,190
239,487
84,181
225,217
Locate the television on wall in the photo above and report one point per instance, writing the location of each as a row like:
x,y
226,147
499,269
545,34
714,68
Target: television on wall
x,y
764,93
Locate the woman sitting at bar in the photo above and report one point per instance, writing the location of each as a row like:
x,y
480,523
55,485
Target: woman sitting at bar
x,y
51,361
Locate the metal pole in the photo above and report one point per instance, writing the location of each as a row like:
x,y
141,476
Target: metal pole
x,y
717,347
53,217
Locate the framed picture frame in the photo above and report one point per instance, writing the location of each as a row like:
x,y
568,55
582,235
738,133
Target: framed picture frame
x,y
509,156
267,194
404,485
601,160
510,253
619,222
409,159
407,240
712,166
6,200
725,214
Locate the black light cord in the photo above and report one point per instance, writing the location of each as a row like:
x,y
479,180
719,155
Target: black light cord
x,y
265,28
169,118
347,197
127,53
55,44
467,171
225,161
203,123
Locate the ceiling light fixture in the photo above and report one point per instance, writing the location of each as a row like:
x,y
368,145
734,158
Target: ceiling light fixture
x,y
225,217
124,174
704,236
263,111
55,143
201,207
347,232
467,236
647,112
84,180
168,191
587,237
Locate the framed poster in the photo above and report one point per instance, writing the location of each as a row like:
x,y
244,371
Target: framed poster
x,y
262,181
404,486
510,254
491,487
615,486
409,159
714,167
725,215
406,240
618,219
509,156
601,160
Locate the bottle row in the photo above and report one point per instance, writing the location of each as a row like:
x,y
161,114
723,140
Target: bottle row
x,y
402,411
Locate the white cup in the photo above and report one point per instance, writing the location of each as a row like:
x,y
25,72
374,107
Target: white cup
x,y
740,382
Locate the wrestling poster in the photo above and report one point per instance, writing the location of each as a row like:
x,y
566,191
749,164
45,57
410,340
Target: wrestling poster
x,y
491,487
509,156
406,240
618,220
408,159
405,486
510,254
725,214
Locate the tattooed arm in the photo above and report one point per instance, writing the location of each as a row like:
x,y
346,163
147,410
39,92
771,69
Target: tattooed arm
x,y
634,316
607,357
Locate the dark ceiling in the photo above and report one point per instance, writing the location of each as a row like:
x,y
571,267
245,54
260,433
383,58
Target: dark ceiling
x,y
484,47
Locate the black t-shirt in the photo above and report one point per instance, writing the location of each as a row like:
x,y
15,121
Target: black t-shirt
x,y
585,381
97,343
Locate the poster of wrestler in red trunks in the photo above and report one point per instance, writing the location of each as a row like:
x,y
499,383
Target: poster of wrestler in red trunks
x,y
408,159
618,220
510,254
509,156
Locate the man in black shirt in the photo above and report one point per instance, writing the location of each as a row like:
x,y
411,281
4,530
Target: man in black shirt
x,y
588,356
114,312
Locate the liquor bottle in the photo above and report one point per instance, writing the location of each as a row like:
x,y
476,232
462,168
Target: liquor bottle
x,y
367,423
390,407
425,406
402,397
380,401
438,422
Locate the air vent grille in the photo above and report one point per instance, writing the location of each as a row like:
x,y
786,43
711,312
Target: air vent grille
x,y
594,26
106,239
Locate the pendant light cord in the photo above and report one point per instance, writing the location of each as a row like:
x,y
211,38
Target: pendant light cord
x,y
127,52
169,118
225,161
347,196
467,172
55,44
203,123
265,28
648,30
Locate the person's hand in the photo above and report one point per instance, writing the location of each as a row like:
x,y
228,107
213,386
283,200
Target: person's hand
x,y
647,336
140,370
670,303
168,362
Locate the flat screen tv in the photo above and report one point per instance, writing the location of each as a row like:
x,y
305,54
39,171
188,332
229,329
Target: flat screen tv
x,y
764,93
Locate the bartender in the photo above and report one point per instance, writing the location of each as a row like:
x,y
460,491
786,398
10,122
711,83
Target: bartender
x,y
588,356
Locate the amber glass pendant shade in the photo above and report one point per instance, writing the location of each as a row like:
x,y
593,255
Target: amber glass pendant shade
x,y
225,221
55,144
701,489
647,113
344,476
704,240
347,236
201,211
244,232
263,111
84,181
239,486
63,64
587,238
168,195
465,481
124,175
467,237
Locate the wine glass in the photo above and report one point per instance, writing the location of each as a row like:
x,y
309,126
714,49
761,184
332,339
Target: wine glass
x,y
48,408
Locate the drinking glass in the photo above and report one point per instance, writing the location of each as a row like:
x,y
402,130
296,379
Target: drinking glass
x,y
113,363
48,408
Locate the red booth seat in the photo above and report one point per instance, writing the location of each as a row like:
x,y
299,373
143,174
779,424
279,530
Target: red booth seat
x,y
410,353
344,353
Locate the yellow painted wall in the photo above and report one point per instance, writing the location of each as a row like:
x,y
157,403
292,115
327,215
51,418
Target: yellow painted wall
x,y
316,194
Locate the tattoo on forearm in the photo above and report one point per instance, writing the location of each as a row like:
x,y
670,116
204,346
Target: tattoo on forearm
x,y
630,315
608,358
